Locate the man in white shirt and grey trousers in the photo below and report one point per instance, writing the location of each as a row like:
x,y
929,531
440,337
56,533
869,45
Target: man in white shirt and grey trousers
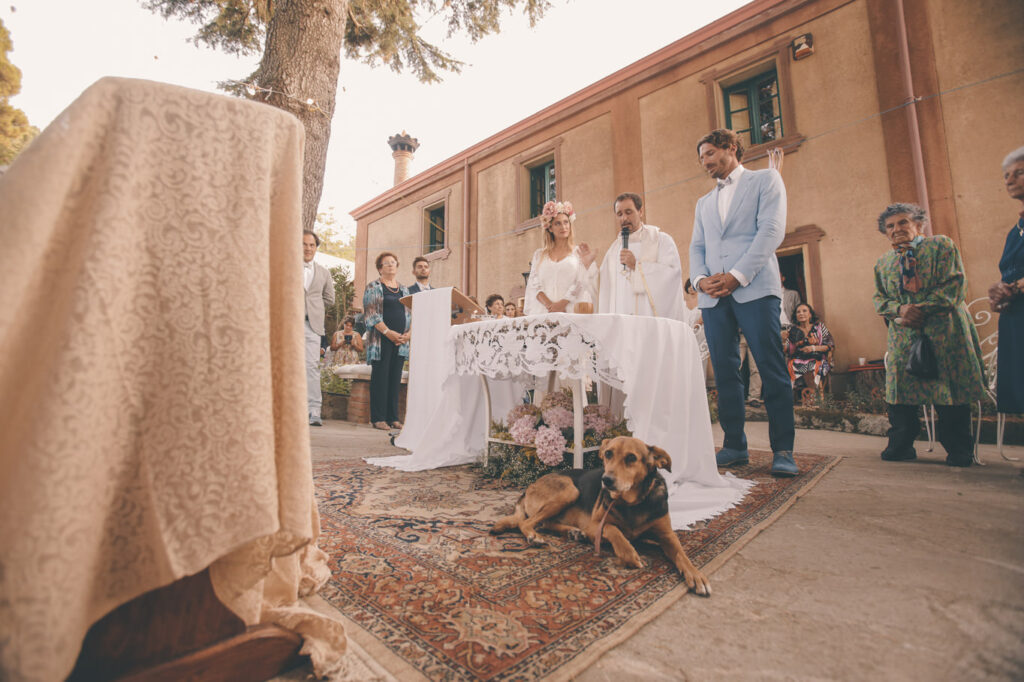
x,y
319,288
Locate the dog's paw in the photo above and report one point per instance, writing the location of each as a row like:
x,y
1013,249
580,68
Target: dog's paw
x,y
536,541
577,535
635,562
698,583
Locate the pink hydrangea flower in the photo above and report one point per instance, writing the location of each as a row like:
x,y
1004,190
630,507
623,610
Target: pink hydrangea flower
x,y
558,417
550,445
523,431
597,418
552,208
522,410
557,399
596,423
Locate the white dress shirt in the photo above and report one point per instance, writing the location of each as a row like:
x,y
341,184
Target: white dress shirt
x,y
307,274
726,190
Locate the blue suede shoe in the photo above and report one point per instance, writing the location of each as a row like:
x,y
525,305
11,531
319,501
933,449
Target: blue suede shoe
x,y
783,464
728,457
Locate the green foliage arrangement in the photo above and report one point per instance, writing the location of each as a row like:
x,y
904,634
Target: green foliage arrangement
x,y
713,405
332,383
856,400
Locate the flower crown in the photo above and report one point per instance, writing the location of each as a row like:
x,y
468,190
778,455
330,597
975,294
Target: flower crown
x,y
551,209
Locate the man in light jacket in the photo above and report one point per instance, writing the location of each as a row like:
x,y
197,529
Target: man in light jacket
x,y
737,227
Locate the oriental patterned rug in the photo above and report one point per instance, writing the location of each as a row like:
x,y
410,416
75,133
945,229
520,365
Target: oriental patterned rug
x,y
413,567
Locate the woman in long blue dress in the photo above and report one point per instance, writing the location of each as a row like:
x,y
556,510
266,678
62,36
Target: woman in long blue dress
x,y
1006,299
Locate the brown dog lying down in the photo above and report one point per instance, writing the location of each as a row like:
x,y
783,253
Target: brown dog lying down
x,y
626,499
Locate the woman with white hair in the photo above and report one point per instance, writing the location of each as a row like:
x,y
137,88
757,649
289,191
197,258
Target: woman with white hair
x,y
1006,299
558,273
920,289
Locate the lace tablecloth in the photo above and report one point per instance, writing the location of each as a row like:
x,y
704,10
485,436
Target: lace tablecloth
x,y
655,362
525,347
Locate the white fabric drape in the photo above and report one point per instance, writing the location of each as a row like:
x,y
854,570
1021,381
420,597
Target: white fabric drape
x,y
152,392
431,318
445,413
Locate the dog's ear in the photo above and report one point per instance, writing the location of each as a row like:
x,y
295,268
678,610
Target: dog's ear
x,y
603,444
660,458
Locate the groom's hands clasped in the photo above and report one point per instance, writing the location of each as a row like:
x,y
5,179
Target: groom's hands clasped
x,y
718,286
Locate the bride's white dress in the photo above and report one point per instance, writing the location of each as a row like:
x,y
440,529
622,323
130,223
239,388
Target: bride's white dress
x,y
563,279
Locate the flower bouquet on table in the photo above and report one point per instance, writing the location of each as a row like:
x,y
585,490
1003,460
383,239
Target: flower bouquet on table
x,y
536,440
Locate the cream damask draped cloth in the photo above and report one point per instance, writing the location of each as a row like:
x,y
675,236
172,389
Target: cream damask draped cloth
x,y
152,384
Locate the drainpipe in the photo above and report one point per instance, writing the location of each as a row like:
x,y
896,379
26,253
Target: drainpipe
x,y
465,226
911,101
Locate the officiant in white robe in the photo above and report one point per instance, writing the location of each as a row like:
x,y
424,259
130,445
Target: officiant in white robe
x,y
644,279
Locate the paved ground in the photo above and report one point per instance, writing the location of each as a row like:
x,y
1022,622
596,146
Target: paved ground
x,y
884,571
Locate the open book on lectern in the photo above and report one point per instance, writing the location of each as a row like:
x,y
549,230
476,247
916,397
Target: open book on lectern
x,y
463,306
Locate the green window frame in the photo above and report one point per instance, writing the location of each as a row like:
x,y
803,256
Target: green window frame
x,y
542,186
753,109
435,229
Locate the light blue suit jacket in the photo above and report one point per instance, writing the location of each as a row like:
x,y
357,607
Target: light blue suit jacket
x,y
754,227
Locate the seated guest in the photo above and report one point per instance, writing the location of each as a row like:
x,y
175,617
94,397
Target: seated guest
x,y
388,325
346,344
808,347
496,305
511,310
920,287
558,272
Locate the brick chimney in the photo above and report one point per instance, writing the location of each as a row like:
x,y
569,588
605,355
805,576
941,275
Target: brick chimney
x,y
402,148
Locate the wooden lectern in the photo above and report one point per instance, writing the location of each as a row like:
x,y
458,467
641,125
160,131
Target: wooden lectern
x,y
463,306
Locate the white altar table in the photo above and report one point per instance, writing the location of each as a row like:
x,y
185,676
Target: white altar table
x,y
653,361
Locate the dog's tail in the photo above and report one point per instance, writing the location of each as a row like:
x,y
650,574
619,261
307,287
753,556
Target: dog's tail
x,y
512,521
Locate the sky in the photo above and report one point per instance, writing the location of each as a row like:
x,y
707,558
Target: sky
x,y
63,46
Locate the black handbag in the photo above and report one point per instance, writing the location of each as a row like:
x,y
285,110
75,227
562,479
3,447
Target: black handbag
x,y
921,362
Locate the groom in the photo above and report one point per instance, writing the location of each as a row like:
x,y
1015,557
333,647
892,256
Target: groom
x,y
737,227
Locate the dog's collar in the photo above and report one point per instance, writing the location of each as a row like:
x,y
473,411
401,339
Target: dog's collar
x,y
647,485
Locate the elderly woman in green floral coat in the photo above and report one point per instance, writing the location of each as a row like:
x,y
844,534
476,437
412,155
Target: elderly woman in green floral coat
x,y
920,287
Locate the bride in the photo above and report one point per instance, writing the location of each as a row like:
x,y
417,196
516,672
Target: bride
x,y
558,272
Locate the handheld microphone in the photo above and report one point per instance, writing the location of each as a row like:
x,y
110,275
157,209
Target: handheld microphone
x,y
625,242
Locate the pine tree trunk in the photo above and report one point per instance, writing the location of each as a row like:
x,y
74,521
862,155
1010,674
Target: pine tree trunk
x,y
301,62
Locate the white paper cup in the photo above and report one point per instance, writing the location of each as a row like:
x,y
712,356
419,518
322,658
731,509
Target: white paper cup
x,y
862,361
